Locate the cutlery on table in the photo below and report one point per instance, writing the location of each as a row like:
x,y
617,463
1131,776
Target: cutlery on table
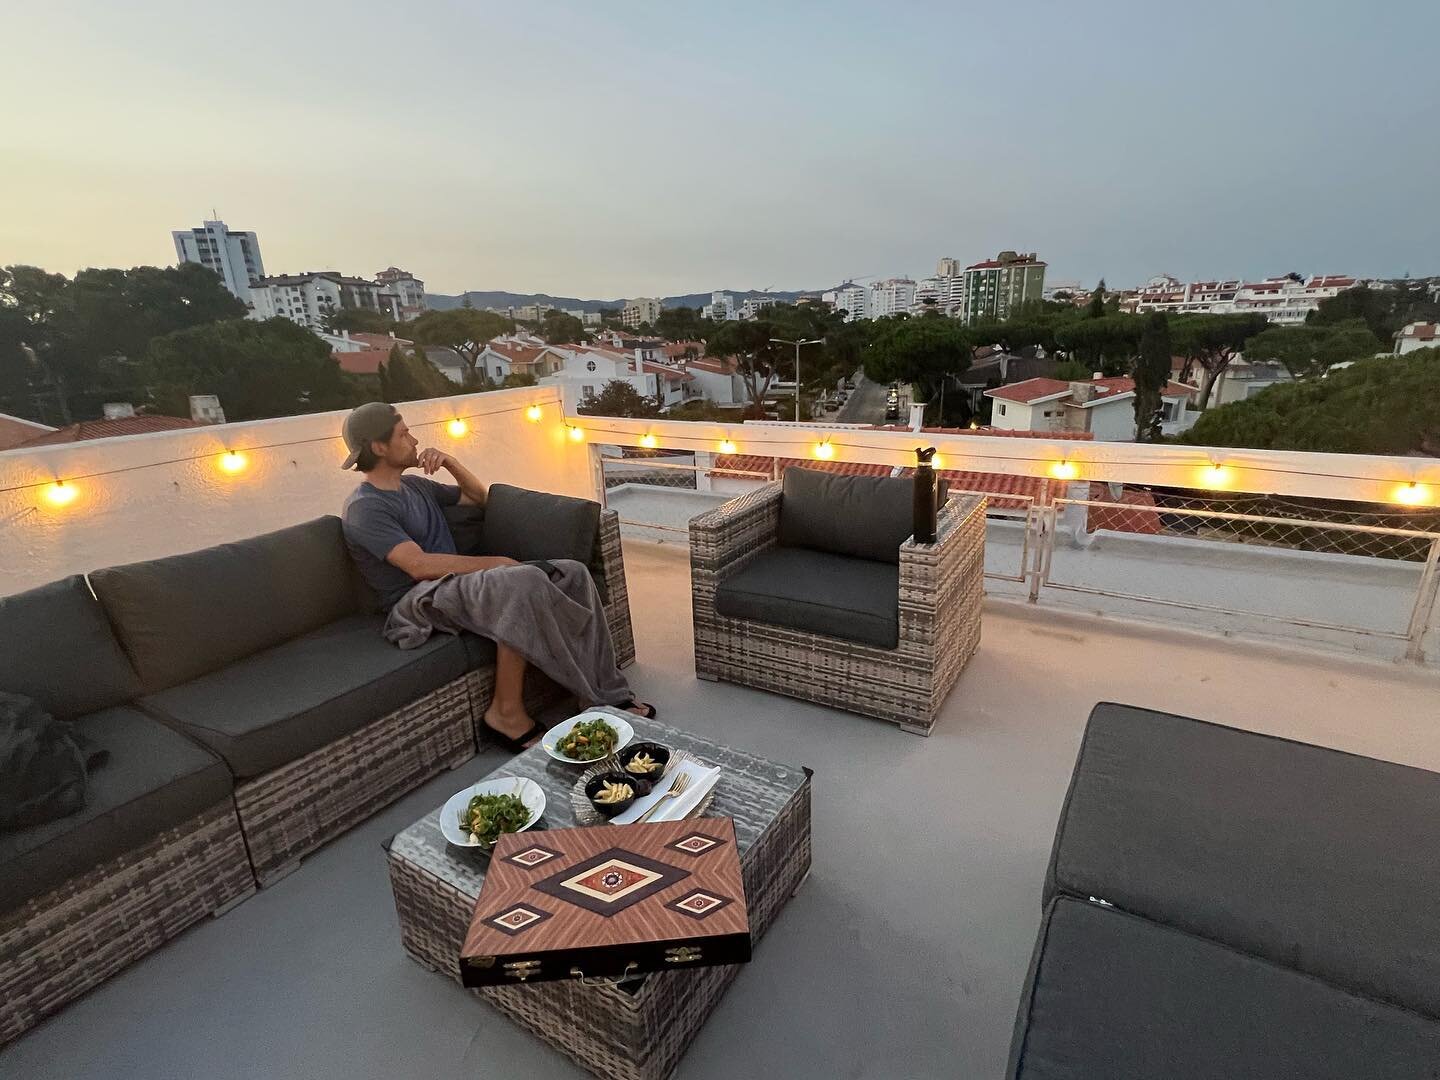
x,y
676,790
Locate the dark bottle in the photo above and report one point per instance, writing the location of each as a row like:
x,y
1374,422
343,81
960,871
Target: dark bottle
x,y
925,497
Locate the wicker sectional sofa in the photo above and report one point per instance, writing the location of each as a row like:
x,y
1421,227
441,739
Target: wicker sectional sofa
x,y
811,587
252,712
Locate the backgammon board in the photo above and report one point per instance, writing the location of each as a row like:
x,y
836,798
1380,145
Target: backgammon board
x,y
608,901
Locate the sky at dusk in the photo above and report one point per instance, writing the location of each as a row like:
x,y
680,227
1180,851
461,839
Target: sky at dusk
x,y
611,150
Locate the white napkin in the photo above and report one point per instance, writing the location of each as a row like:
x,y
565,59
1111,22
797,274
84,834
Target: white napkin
x,y
702,779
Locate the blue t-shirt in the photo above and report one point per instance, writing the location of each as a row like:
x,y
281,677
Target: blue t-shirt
x,y
376,522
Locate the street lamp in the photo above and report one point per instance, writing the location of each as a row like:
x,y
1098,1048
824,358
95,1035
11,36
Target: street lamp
x,y
797,344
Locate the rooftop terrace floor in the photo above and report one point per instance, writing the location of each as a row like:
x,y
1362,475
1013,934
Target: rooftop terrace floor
x,y
902,956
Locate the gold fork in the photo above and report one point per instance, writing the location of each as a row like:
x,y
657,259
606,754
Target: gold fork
x,y
676,790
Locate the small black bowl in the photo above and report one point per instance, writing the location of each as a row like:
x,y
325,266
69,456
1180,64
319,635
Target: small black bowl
x,y
661,754
609,810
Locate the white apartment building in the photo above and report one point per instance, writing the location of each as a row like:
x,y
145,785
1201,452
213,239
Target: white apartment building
x,y
754,305
892,297
1284,300
948,294
720,309
307,299
591,318
235,256
852,299
1417,335
408,289
643,309
949,268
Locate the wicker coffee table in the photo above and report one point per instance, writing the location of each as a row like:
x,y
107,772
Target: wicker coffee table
x,y
636,1030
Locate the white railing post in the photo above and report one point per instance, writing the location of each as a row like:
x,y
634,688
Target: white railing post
x,y
597,473
1424,609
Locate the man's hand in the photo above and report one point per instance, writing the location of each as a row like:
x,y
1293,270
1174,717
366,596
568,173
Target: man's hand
x,y
432,460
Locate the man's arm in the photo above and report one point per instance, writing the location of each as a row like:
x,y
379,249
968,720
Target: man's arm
x,y
424,566
472,491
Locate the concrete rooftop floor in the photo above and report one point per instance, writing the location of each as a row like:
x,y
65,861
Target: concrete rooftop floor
x,y
902,956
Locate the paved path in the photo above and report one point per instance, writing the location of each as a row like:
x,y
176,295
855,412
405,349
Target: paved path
x,y
865,405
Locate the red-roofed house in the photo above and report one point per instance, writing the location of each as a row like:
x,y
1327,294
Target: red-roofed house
x,y
1103,407
86,430
1418,335
14,430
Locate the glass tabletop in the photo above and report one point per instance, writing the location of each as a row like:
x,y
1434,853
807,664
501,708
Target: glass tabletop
x,y
752,791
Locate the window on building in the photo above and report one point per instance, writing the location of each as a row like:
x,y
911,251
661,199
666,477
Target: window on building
x,y
1002,408
1167,411
498,372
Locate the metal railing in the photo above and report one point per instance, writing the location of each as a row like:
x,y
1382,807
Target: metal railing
x,y
1323,538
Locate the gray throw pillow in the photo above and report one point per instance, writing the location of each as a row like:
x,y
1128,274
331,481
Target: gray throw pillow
x,y
866,517
467,527
528,525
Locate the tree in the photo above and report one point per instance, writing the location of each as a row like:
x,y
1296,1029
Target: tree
x,y
1072,371
465,330
1152,373
518,378
1212,341
1310,350
406,377
1385,405
561,329
680,324
257,369
757,359
618,398
1096,310
67,345
1107,344
1384,311
359,320
927,353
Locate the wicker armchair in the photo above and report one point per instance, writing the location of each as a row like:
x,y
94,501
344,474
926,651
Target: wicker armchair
x,y
941,586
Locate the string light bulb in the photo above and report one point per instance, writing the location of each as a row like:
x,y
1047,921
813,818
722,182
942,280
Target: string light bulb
x,y
457,428
649,441
1412,494
533,413
726,446
575,433
60,493
233,462
1064,470
824,451
1216,476
937,461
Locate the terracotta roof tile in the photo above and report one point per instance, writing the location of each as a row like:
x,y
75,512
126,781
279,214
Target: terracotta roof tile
x,y
86,430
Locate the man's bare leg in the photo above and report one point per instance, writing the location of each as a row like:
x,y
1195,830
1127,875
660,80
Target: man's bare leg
x,y
506,713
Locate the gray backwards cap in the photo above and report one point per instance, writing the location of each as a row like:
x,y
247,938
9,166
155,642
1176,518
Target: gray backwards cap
x,y
372,421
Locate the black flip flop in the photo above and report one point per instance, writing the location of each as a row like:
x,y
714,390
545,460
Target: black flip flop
x,y
517,744
649,714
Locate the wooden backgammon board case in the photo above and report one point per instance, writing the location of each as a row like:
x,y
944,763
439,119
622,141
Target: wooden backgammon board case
x,y
607,901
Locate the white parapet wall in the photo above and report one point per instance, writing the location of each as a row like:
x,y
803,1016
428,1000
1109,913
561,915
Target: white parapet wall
x,y
146,496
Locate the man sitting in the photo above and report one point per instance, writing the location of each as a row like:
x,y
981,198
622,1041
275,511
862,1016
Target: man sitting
x,y
399,538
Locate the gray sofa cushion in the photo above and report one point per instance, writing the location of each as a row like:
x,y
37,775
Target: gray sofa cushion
x,y
155,779
867,517
187,615
275,706
835,595
1113,995
526,525
467,527
1320,860
59,651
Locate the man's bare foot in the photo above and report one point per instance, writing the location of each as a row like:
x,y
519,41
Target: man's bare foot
x,y
513,723
640,708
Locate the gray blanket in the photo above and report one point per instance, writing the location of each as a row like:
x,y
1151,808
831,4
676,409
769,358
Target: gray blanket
x,y
557,623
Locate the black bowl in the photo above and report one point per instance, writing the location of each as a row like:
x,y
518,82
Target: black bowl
x,y
661,754
609,810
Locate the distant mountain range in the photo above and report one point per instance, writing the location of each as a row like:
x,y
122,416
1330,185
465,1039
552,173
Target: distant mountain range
x,y
501,299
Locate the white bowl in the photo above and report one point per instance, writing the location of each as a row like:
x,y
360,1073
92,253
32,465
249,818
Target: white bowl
x,y
624,733
530,794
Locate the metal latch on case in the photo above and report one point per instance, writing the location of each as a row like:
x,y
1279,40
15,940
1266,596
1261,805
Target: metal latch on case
x,y
682,954
522,969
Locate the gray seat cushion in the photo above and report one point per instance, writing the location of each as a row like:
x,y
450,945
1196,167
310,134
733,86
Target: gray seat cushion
x,y
866,517
527,525
1113,995
835,595
1320,860
60,652
190,614
155,779
280,704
